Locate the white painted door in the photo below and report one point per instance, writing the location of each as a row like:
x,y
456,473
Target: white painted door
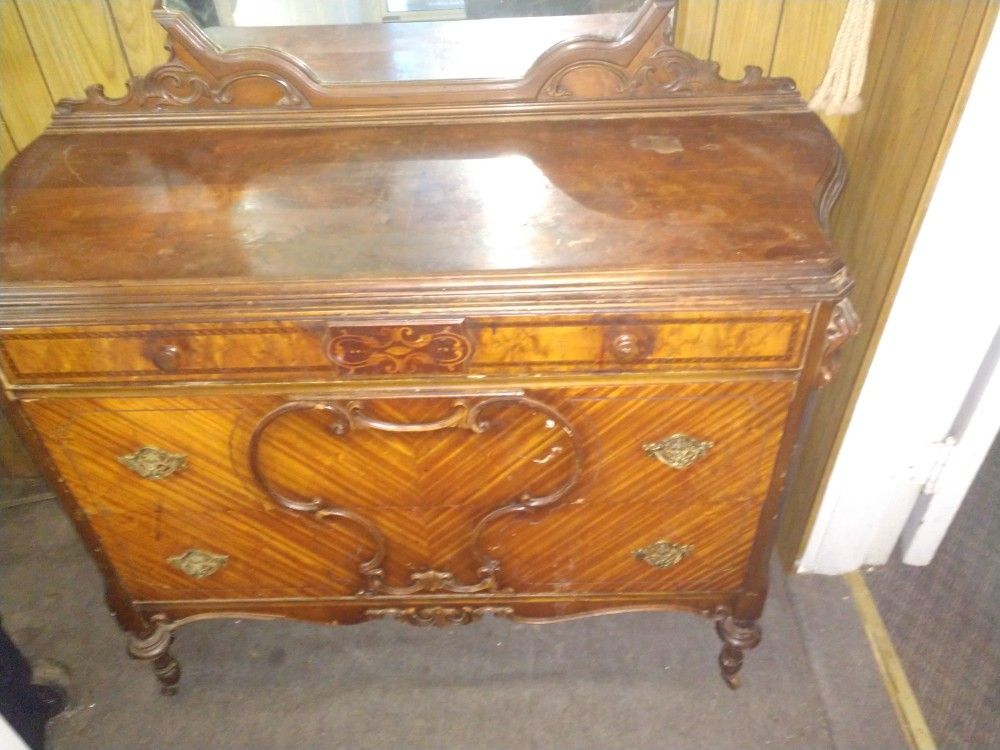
x,y
929,360
972,435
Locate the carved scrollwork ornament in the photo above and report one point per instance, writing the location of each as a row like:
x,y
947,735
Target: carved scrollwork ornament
x,y
438,616
667,71
844,324
639,66
466,414
174,85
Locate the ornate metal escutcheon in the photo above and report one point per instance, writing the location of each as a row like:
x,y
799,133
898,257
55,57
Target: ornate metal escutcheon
x,y
663,554
678,451
198,563
150,462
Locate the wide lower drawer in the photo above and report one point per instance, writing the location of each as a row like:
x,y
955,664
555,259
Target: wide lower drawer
x,y
319,351
675,545
604,488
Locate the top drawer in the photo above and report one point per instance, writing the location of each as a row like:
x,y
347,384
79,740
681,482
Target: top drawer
x,y
321,351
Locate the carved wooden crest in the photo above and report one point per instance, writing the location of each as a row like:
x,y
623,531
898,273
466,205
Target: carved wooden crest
x,y
641,70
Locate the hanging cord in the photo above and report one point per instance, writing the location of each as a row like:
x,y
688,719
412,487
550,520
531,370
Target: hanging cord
x,y
840,91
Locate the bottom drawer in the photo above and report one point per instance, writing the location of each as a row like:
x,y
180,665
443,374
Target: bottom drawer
x,y
589,546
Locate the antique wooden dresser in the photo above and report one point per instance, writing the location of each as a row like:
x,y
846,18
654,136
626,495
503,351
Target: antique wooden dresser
x,y
294,345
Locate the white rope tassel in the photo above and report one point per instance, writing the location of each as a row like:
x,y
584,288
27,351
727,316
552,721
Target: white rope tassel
x,y
840,91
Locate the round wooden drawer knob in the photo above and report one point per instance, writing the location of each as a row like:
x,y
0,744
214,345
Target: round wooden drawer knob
x,y
626,347
167,357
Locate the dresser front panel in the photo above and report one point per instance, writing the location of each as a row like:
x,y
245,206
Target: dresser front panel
x,y
318,351
426,491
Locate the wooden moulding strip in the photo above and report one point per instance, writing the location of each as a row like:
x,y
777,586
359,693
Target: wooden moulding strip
x,y
897,686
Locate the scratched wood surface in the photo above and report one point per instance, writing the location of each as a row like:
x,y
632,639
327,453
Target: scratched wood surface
x,y
422,495
592,197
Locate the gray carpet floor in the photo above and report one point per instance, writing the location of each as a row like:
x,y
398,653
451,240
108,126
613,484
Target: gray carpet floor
x,y
943,620
644,680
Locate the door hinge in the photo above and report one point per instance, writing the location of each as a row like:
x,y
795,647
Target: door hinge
x,y
929,466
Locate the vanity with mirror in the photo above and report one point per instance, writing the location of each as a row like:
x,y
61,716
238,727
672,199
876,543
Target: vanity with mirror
x,y
428,310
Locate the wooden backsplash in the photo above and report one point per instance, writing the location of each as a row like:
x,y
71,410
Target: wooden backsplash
x,y
54,49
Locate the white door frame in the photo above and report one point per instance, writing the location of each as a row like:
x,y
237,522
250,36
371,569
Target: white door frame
x,y
931,355
974,431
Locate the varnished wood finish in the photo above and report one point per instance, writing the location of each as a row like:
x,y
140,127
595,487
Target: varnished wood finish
x,y
424,372
419,496
688,193
638,71
314,350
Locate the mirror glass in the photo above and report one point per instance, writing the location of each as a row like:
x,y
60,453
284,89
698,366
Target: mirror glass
x,y
354,41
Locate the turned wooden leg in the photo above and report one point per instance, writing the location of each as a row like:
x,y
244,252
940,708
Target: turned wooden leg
x,y
154,646
737,636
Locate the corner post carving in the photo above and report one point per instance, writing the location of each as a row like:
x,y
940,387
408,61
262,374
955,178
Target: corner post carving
x,y
154,646
843,325
737,636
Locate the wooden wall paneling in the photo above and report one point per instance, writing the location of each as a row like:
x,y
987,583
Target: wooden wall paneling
x,y
696,26
926,54
7,148
142,38
24,98
803,43
745,32
76,44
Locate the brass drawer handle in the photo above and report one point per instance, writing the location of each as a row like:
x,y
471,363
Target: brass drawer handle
x,y
678,451
150,462
663,554
198,563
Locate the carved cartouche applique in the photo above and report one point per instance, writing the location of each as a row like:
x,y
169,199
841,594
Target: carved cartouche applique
x,y
438,616
844,323
399,349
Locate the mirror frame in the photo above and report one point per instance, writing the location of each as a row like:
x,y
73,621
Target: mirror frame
x,y
640,72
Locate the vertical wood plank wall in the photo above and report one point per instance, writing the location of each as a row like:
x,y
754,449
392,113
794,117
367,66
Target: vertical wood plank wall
x,y
921,56
924,56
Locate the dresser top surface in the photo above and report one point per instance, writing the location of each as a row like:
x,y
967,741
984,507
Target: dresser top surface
x,y
729,194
